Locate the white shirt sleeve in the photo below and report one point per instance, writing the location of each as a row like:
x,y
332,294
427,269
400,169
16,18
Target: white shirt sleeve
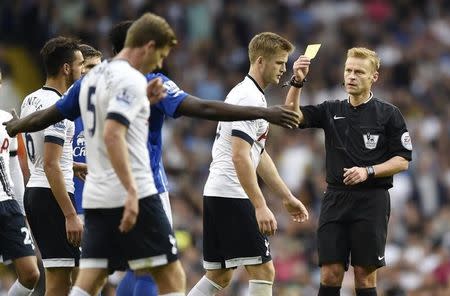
x,y
16,174
127,101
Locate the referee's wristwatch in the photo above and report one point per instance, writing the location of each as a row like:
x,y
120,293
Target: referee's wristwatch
x,y
295,83
370,172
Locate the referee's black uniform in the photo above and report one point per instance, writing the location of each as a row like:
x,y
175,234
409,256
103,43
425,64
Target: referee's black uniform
x,y
354,218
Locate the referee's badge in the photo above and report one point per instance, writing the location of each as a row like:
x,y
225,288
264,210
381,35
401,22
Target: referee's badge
x,y
406,141
370,141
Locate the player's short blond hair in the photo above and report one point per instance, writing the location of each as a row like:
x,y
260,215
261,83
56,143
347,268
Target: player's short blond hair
x,y
267,44
150,27
365,53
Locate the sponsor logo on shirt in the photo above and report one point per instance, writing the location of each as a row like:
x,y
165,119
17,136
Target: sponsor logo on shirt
x,y
79,150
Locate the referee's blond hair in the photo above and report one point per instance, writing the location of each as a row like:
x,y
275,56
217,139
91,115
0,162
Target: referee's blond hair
x,y
365,53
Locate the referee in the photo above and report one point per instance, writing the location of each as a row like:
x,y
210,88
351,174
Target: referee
x,y
366,143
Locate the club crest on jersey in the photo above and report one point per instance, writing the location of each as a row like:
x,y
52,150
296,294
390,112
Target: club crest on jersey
x,y
370,141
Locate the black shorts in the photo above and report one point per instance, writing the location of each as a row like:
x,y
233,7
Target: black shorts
x,y
48,225
354,224
15,237
150,243
231,235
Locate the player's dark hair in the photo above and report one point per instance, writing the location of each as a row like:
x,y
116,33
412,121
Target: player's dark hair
x,y
57,52
118,34
89,52
150,27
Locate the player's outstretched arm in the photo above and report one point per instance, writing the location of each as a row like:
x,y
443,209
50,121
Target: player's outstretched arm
x,y
268,172
155,91
34,122
249,182
220,111
114,136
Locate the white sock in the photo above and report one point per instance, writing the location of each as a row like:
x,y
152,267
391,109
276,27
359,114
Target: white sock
x,y
173,294
205,287
17,289
260,288
76,291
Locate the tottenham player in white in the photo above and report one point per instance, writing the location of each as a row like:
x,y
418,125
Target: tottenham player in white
x,y
236,217
16,243
48,200
124,216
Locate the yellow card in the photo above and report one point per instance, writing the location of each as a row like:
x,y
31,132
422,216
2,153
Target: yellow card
x,y
312,50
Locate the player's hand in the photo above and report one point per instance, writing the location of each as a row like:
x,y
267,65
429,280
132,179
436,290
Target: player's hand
x,y
283,116
130,212
355,175
11,125
74,229
80,170
296,208
266,220
155,90
301,67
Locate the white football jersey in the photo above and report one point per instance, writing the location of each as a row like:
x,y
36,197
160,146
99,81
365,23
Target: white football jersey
x,y
60,133
7,145
222,180
117,91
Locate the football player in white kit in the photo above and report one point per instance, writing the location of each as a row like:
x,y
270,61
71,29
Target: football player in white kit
x,y
236,219
125,223
48,201
16,243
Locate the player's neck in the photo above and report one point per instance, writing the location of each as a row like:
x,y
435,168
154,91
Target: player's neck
x,y
258,78
133,56
58,83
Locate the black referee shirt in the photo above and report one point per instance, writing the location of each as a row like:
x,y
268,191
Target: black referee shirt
x,y
365,135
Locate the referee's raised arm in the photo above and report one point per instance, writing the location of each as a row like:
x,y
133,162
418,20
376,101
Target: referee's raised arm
x,y
300,70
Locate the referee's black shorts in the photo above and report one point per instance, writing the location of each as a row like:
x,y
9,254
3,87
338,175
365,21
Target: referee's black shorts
x,y
353,227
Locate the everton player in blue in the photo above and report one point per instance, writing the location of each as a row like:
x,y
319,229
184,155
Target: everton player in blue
x,y
176,103
92,57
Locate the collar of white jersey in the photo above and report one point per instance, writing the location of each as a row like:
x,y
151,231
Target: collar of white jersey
x,y
52,89
256,83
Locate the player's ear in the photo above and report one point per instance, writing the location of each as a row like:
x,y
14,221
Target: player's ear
x,y
66,69
150,45
259,60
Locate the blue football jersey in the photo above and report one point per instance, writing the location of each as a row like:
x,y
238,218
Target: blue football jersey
x,y
166,107
79,155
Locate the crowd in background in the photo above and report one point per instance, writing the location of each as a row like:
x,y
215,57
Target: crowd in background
x,y
412,39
